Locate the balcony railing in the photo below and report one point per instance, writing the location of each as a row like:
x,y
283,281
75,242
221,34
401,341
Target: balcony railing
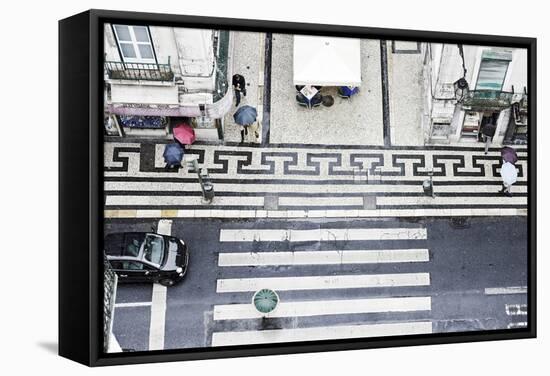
x,y
488,99
117,70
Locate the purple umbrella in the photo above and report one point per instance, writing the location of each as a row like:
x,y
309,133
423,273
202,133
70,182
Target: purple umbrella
x,y
509,154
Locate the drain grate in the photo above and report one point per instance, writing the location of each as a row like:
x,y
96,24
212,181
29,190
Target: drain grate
x,y
460,222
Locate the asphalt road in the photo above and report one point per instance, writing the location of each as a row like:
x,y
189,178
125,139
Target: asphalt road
x,y
463,262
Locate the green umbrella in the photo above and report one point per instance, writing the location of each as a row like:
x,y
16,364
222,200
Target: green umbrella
x,y
265,301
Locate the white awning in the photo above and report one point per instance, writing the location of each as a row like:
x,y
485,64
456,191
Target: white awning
x,y
327,61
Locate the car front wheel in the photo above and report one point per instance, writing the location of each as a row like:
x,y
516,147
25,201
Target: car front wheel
x,y
167,282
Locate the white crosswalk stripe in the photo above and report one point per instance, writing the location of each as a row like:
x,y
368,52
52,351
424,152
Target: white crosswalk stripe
x,y
325,307
334,308
230,235
323,282
319,333
322,257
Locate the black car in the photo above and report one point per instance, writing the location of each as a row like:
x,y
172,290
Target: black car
x,y
147,257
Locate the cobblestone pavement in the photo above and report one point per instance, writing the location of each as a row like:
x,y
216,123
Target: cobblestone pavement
x,y
248,61
303,180
355,121
405,86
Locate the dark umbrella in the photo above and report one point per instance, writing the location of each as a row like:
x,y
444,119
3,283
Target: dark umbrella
x,y
245,115
509,154
173,154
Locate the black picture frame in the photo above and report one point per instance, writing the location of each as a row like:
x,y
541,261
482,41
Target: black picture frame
x,y
81,199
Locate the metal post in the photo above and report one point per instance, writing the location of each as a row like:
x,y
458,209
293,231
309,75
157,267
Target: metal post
x,y
206,185
428,185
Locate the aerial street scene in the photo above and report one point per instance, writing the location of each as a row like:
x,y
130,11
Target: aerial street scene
x,y
264,188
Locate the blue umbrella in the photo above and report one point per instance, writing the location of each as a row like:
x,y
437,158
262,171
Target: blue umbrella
x,y
173,154
245,115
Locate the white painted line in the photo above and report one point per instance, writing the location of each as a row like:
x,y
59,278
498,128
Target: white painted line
x,y
243,235
183,200
516,309
158,304
158,317
438,200
506,290
320,333
165,227
326,307
521,324
114,346
372,213
133,304
320,201
322,257
323,282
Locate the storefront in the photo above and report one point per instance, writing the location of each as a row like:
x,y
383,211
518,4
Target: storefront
x,y
157,76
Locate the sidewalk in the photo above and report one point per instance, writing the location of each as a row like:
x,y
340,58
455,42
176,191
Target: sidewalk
x,y
405,87
309,181
354,122
247,61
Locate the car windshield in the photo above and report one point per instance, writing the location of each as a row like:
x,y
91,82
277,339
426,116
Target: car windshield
x,y
153,249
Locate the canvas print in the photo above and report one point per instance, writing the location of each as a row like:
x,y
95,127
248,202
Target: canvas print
x,y
266,188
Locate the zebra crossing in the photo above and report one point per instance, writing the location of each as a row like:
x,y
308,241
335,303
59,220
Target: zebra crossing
x,y
293,181
315,292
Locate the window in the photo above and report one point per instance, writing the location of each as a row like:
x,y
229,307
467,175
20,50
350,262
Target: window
x,y
135,44
153,250
491,74
132,265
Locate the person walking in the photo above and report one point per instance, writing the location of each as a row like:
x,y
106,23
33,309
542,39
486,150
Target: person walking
x,y
488,131
509,176
239,84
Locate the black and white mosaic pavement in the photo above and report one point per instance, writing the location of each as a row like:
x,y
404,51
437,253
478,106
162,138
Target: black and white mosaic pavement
x,y
301,176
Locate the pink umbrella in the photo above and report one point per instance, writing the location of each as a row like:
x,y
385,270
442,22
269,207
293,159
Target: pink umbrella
x,y
184,133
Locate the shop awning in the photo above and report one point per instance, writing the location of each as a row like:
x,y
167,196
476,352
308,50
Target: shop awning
x,y
327,61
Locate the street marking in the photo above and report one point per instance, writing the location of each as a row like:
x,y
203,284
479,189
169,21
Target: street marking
x,y
320,201
314,213
323,282
113,346
516,309
158,304
164,227
242,235
506,290
320,333
183,200
133,304
158,316
514,325
439,200
322,257
327,307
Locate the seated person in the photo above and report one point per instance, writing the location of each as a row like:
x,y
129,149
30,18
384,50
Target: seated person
x,y
316,99
301,98
347,91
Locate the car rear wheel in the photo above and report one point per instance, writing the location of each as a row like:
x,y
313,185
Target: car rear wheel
x,y
167,282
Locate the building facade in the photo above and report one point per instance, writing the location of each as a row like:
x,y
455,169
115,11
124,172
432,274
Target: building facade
x,y
469,87
156,77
